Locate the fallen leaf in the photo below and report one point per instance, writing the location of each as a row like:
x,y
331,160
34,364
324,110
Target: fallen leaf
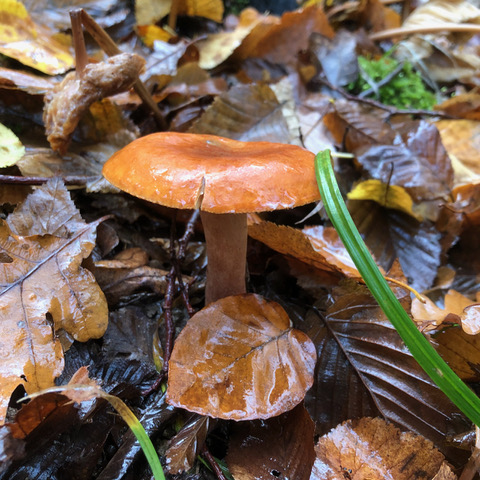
x,y
212,9
280,447
25,81
441,12
388,196
464,105
45,290
460,138
32,44
247,113
318,246
374,449
12,149
458,308
217,47
364,369
187,444
247,363
391,234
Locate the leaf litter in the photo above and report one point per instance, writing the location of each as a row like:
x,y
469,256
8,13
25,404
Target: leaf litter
x,y
252,77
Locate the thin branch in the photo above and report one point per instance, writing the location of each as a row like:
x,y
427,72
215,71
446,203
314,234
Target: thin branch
x,y
422,29
388,108
384,81
213,463
67,180
110,48
81,57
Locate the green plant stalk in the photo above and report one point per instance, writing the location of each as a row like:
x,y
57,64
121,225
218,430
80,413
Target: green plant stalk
x,y
421,349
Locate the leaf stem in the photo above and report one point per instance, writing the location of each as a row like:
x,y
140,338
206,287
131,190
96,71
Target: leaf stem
x,y
421,349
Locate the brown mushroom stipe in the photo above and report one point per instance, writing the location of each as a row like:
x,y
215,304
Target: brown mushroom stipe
x,y
220,176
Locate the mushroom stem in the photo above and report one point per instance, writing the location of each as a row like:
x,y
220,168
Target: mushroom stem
x,y
226,237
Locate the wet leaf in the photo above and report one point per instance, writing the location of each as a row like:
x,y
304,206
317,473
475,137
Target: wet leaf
x,y
44,289
32,44
391,234
247,113
187,444
364,369
12,149
374,449
247,362
280,447
388,196
419,163
460,140
318,246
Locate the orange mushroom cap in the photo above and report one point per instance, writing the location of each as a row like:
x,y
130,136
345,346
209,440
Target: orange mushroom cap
x,y
174,169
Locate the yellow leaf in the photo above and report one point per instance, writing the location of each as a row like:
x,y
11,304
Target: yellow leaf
x,y
150,33
212,9
31,44
11,149
389,196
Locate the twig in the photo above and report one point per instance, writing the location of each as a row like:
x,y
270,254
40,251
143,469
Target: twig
x,y
81,57
384,81
175,273
351,5
67,180
172,17
388,108
421,29
110,48
213,463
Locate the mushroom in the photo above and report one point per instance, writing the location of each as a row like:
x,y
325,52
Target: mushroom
x,y
225,179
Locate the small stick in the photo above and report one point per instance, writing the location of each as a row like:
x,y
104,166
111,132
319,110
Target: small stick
x,y
67,180
172,17
391,110
447,27
110,48
81,57
382,82
213,463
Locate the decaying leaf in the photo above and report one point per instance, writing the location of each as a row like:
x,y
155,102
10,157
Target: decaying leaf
x,y
388,196
248,113
364,369
31,44
186,444
458,308
374,449
391,234
279,447
65,105
318,246
12,149
240,359
44,289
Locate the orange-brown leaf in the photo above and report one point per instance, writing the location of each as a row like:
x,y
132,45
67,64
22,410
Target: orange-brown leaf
x,y
239,358
374,449
43,290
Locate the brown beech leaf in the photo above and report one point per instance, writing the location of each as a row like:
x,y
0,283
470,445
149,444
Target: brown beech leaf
x,y
248,113
374,449
240,359
318,246
187,444
44,289
280,447
460,140
461,351
391,234
420,163
364,369
127,273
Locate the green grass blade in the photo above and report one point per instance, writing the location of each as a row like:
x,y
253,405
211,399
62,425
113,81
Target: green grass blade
x,y
419,346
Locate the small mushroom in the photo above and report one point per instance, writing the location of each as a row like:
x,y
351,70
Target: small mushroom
x,y
225,179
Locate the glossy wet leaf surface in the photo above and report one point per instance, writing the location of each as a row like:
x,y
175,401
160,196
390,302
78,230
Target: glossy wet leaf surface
x,y
45,290
248,361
